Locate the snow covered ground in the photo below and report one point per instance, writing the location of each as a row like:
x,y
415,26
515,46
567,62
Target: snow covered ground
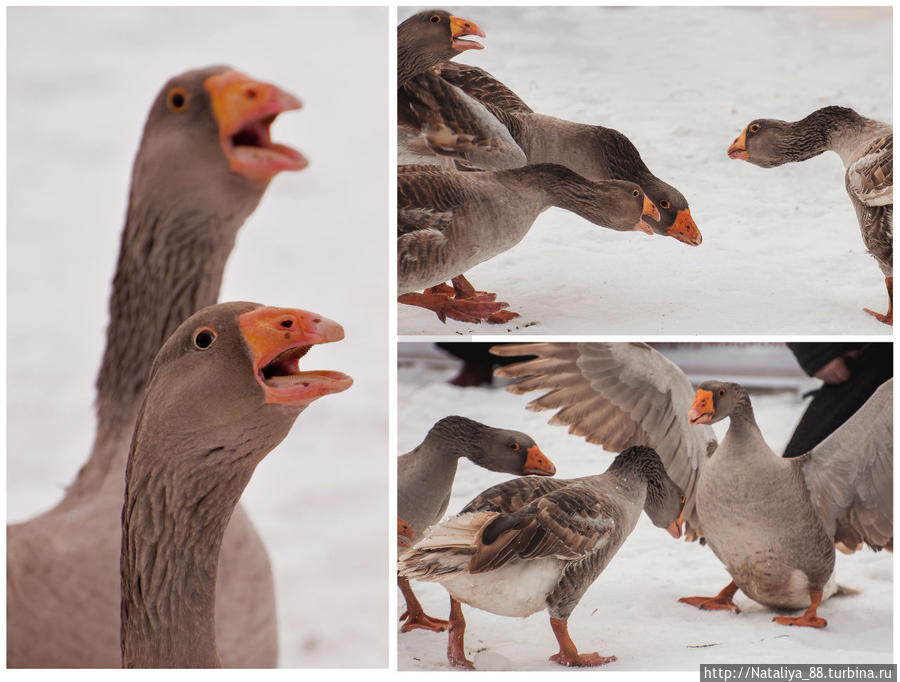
x,y
632,611
80,84
781,248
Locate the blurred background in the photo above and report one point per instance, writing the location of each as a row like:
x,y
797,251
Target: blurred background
x,y
781,251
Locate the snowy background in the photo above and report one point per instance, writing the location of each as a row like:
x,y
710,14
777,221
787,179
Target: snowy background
x,y
632,610
80,82
781,248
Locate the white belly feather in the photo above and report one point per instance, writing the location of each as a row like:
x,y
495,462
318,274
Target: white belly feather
x,y
517,589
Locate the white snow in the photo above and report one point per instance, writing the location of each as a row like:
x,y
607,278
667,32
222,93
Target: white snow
x,y
631,611
80,84
781,248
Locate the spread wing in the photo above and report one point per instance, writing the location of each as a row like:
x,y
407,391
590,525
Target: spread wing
x,y
618,395
850,476
871,178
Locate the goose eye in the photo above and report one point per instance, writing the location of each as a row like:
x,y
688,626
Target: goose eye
x,y
204,337
682,499
177,99
435,19
754,128
514,447
721,392
635,193
664,204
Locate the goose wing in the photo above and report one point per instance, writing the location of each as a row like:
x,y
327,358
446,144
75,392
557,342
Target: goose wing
x,y
618,395
481,85
850,476
447,122
568,523
871,177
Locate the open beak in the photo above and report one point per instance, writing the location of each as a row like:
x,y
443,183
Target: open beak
x,y
278,338
738,148
651,211
244,110
702,409
536,464
464,27
684,229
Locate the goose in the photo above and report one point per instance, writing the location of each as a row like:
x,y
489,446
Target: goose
x,y
204,162
532,544
773,522
437,123
593,151
224,390
866,148
425,477
450,221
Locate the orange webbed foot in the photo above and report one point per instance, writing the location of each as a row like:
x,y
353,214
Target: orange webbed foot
x,y
582,660
886,318
461,663
711,603
804,620
472,310
420,620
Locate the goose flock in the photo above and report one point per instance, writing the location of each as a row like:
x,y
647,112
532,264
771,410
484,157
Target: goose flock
x,y
775,524
448,115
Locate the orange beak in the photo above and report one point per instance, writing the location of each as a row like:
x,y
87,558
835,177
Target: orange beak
x,y
702,409
738,148
244,110
684,229
674,528
648,210
464,27
278,338
536,464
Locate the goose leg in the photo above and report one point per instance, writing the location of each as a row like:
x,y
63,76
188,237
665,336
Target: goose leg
x,y
809,619
721,602
888,317
414,615
456,653
568,653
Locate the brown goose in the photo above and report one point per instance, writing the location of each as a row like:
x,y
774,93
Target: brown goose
x,y
773,522
595,152
204,162
437,122
867,149
429,38
224,390
425,478
531,544
449,222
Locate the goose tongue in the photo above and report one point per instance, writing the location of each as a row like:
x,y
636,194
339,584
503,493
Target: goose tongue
x,y
278,338
244,109
464,27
